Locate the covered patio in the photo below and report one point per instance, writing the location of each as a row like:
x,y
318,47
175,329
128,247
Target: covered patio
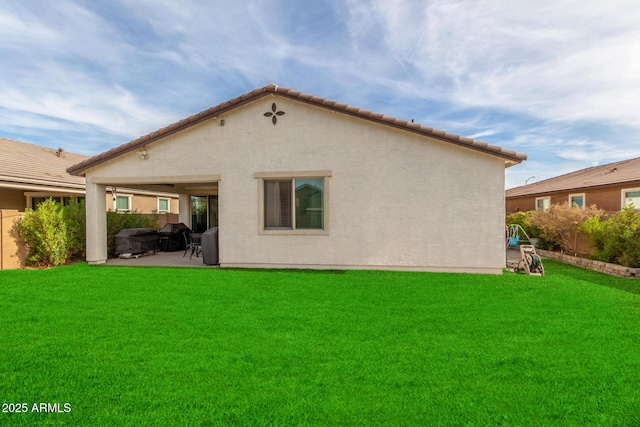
x,y
161,259
198,210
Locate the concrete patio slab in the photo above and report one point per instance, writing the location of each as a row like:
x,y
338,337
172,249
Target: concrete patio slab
x,y
176,259
161,259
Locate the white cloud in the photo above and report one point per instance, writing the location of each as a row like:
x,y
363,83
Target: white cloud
x,y
548,78
65,66
555,60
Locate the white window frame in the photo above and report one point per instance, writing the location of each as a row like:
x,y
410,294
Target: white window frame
x,y
623,198
129,203
547,198
584,199
265,176
163,211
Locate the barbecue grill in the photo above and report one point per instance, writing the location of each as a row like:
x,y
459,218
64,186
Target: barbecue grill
x,y
171,239
136,241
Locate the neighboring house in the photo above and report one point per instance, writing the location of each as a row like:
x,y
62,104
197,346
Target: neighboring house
x,y
298,181
610,187
29,174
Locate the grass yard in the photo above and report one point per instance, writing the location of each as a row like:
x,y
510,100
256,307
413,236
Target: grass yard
x,y
206,347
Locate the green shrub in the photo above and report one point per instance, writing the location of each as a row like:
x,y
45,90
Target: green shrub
x,y
119,221
594,228
54,233
561,224
75,219
617,240
44,232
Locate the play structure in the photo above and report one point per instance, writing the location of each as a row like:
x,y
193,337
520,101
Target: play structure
x,y
529,261
516,235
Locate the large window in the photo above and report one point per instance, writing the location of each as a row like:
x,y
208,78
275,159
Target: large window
x,y
294,204
631,197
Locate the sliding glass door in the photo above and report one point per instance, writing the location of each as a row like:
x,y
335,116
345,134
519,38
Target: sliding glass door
x,y
204,213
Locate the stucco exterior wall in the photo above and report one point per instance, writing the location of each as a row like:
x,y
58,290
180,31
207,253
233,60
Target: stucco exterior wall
x,y
12,199
13,253
397,200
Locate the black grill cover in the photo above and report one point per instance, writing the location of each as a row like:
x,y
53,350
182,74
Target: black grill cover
x,y
136,241
172,237
210,246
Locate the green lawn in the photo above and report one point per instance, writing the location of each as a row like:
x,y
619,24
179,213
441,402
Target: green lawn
x,y
163,346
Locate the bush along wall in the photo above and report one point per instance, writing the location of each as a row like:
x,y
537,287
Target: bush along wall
x,y
612,240
617,239
44,233
54,234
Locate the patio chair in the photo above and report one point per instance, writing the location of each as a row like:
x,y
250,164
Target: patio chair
x,y
192,241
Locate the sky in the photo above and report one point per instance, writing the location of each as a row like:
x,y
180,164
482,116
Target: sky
x,y
558,80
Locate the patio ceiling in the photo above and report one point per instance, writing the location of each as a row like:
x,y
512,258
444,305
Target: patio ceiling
x,y
179,185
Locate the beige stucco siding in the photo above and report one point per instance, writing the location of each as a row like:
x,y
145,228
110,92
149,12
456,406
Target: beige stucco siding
x,y
397,200
13,253
12,199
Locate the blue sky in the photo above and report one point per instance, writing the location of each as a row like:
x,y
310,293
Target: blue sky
x,y
558,80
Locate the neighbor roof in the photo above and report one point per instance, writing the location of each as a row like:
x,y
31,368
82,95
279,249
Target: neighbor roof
x,y
23,163
511,157
623,172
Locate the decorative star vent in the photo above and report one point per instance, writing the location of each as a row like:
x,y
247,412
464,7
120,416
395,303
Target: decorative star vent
x,y
274,113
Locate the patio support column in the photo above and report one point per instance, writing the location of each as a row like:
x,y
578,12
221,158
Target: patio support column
x,y
184,213
96,206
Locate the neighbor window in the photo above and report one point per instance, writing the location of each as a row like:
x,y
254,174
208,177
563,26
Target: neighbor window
x,y
123,203
543,203
64,200
37,201
67,200
576,200
163,205
296,204
631,197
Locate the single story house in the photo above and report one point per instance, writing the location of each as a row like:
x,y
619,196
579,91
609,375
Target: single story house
x,y
299,181
610,187
29,174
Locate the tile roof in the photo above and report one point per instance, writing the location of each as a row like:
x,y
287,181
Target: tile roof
x,y
511,157
25,163
625,171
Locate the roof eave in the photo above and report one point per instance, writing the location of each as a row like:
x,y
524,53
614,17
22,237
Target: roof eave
x,y
632,183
